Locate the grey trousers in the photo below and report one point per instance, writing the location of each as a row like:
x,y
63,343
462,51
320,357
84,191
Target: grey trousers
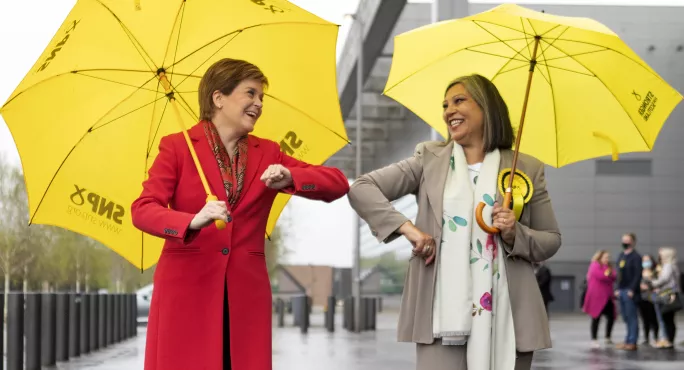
x,y
435,356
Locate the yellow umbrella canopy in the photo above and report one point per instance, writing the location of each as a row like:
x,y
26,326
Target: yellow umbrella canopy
x,y
575,87
119,75
590,94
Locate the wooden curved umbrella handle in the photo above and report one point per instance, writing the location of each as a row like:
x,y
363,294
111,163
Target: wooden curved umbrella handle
x,y
480,221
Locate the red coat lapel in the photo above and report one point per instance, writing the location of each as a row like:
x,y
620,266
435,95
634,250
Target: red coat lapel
x,y
254,156
208,161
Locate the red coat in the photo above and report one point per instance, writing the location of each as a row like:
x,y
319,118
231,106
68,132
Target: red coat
x,y
185,330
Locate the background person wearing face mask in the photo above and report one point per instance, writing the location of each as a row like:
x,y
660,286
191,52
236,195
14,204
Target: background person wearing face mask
x,y
646,306
628,290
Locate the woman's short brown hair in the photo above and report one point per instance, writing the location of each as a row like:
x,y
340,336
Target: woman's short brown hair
x,y
224,75
498,131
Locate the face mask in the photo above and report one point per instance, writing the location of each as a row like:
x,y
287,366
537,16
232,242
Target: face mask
x,y
626,245
647,264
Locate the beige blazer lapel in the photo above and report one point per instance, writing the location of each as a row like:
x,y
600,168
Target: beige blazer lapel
x,y
435,174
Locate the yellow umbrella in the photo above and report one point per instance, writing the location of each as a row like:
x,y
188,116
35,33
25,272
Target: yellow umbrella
x,y
580,91
119,75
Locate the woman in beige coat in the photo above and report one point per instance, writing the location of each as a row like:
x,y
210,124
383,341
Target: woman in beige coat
x,y
470,299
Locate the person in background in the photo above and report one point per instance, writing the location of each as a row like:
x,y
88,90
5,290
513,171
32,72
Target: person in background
x,y
628,290
543,275
598,300
665,288
646,307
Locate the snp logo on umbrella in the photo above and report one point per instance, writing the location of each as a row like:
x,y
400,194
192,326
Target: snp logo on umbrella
x,y
99,208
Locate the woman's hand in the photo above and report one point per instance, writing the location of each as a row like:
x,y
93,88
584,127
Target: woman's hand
x,y
277,177
423,244
212,210
504,220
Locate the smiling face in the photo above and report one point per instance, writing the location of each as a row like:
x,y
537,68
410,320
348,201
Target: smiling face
x,y
242,107
463,116
605,259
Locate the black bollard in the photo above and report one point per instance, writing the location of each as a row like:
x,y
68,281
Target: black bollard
x,y
116,333
379,304
304,314
74,325
84,334
15,331
62,328
110,319
330,315
2,325
123,317
33,317
48,329
280,311
93,336
134,315
101,321
373,313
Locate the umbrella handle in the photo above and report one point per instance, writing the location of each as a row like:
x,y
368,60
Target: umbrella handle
x,y
220,224
480,220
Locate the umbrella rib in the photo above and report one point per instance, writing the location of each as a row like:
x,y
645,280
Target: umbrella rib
x,y
502,26
495,55
522,24
180,27
446,56
578,54
307,116
646,67
136,44
568,70
609,90
125,114
201,64
151,140
72,150
242,30
179,15
553,103
115,82
499,72
501,40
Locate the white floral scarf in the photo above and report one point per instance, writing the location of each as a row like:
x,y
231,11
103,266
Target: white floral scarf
x,y
471,298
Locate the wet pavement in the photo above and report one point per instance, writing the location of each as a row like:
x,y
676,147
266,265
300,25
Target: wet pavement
x,y
380,351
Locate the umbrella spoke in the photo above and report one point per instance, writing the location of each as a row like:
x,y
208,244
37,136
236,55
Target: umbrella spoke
x,y
607,89
136,44
553,101
181,13
307,116
94,128
152,138
477,23
452,53
496,55
502,26
501,70
115,82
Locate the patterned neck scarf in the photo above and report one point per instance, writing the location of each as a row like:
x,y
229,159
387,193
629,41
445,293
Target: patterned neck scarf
x,y
232,172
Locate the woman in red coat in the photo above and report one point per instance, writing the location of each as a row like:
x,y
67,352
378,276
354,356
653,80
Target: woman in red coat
x,y
211,307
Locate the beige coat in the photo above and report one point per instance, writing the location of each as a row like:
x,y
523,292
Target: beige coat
x,y
424,175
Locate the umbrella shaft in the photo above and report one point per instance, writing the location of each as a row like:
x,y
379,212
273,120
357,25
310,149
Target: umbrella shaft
x,y
533,63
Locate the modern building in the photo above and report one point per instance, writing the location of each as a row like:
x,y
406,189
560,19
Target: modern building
x,y
596,201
